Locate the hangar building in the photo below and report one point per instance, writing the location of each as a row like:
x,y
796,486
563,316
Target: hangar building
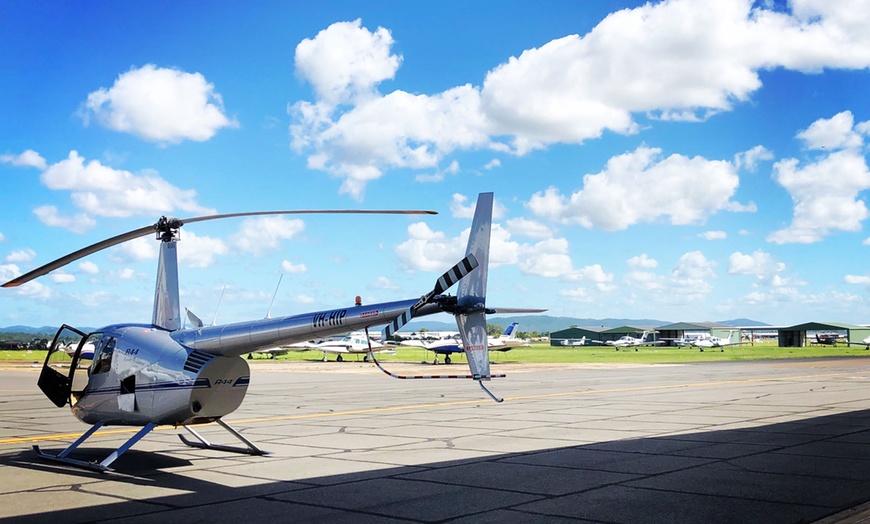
x,y
680,330
565,337
796,336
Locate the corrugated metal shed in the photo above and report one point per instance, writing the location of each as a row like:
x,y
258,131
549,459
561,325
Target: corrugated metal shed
x,y
796,336
678,330
559,338
634,331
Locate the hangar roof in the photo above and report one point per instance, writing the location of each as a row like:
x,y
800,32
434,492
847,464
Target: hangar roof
x,y
628,330
685,326
576,331
822,326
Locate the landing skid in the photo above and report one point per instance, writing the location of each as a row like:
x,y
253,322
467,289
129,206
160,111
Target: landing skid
x,y
103,466
250,449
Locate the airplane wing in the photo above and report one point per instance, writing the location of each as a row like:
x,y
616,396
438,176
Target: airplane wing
x,y
333,349
283,350
416,344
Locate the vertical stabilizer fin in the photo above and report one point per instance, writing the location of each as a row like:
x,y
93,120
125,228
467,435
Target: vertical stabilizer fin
x,y
472,328
471,297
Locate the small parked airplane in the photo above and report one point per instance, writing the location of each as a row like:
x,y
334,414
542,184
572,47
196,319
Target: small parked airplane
x,y
504,342
574,342
717,342
507,340
87,352
352,343
830,339
445,346
628,341
355,343
865,343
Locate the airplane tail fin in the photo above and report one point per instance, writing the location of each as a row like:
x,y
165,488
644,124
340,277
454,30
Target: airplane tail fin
x,y
511,332
471,297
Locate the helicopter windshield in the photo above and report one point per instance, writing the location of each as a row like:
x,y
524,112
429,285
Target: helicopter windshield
x,y
104,348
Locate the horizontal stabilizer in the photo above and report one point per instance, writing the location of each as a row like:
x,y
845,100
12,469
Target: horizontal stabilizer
x,y
506,310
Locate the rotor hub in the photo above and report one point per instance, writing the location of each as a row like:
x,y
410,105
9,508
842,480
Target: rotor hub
x,y
167,228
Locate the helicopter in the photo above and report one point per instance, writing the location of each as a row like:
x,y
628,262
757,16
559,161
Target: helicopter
x,y
162,373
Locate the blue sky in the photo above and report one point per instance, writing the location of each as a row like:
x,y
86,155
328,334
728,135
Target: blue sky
x,y
678,160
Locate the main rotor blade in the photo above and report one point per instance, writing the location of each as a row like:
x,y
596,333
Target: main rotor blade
x,y
313,212
72,257
142,231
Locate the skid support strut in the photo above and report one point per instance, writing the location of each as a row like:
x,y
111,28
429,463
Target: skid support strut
x,y
102,466
250,448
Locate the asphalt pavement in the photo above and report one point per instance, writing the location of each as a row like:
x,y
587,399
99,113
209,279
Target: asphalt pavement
x,y
771,442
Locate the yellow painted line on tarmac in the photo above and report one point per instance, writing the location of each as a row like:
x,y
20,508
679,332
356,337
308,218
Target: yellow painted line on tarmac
x,y
368,411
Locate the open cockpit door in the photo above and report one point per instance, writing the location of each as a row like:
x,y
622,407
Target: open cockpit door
x,y
56,377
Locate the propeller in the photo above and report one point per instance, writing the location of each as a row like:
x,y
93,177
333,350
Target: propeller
x,y
166,227
445,282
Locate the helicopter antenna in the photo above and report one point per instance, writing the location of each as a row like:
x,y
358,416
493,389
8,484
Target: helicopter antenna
x,y
214,318
269,313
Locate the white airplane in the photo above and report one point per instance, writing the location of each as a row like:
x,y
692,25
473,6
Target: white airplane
x,y
504,342
573,342
865,343
87,352
507,340
445,346
716,342
356,343
628,341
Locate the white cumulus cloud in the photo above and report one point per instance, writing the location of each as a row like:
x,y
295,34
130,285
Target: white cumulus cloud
x,y
21,256
289,267
567,90
857,279
98,190
159,105
714,235
640,186
825,192
759,264
258,234
29,158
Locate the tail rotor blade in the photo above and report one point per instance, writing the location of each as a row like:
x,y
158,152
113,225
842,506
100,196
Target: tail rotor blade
x,y
455,274
397,324
445,282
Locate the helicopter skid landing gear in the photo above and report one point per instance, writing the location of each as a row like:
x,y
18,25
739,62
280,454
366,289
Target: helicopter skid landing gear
x,y
63,456
251,448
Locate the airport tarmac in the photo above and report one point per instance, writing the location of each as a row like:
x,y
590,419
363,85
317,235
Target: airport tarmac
x,y
772,442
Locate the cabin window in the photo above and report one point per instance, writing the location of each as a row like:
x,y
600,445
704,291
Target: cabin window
x,y
103,355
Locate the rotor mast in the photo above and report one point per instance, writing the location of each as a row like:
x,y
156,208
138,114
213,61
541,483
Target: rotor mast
x,y
167,304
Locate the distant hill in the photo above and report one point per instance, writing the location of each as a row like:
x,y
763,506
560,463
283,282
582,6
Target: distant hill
x,y
546,323
743,322
539,323
27,329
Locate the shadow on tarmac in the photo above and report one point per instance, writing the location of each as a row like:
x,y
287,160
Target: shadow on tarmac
x,y
788,472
